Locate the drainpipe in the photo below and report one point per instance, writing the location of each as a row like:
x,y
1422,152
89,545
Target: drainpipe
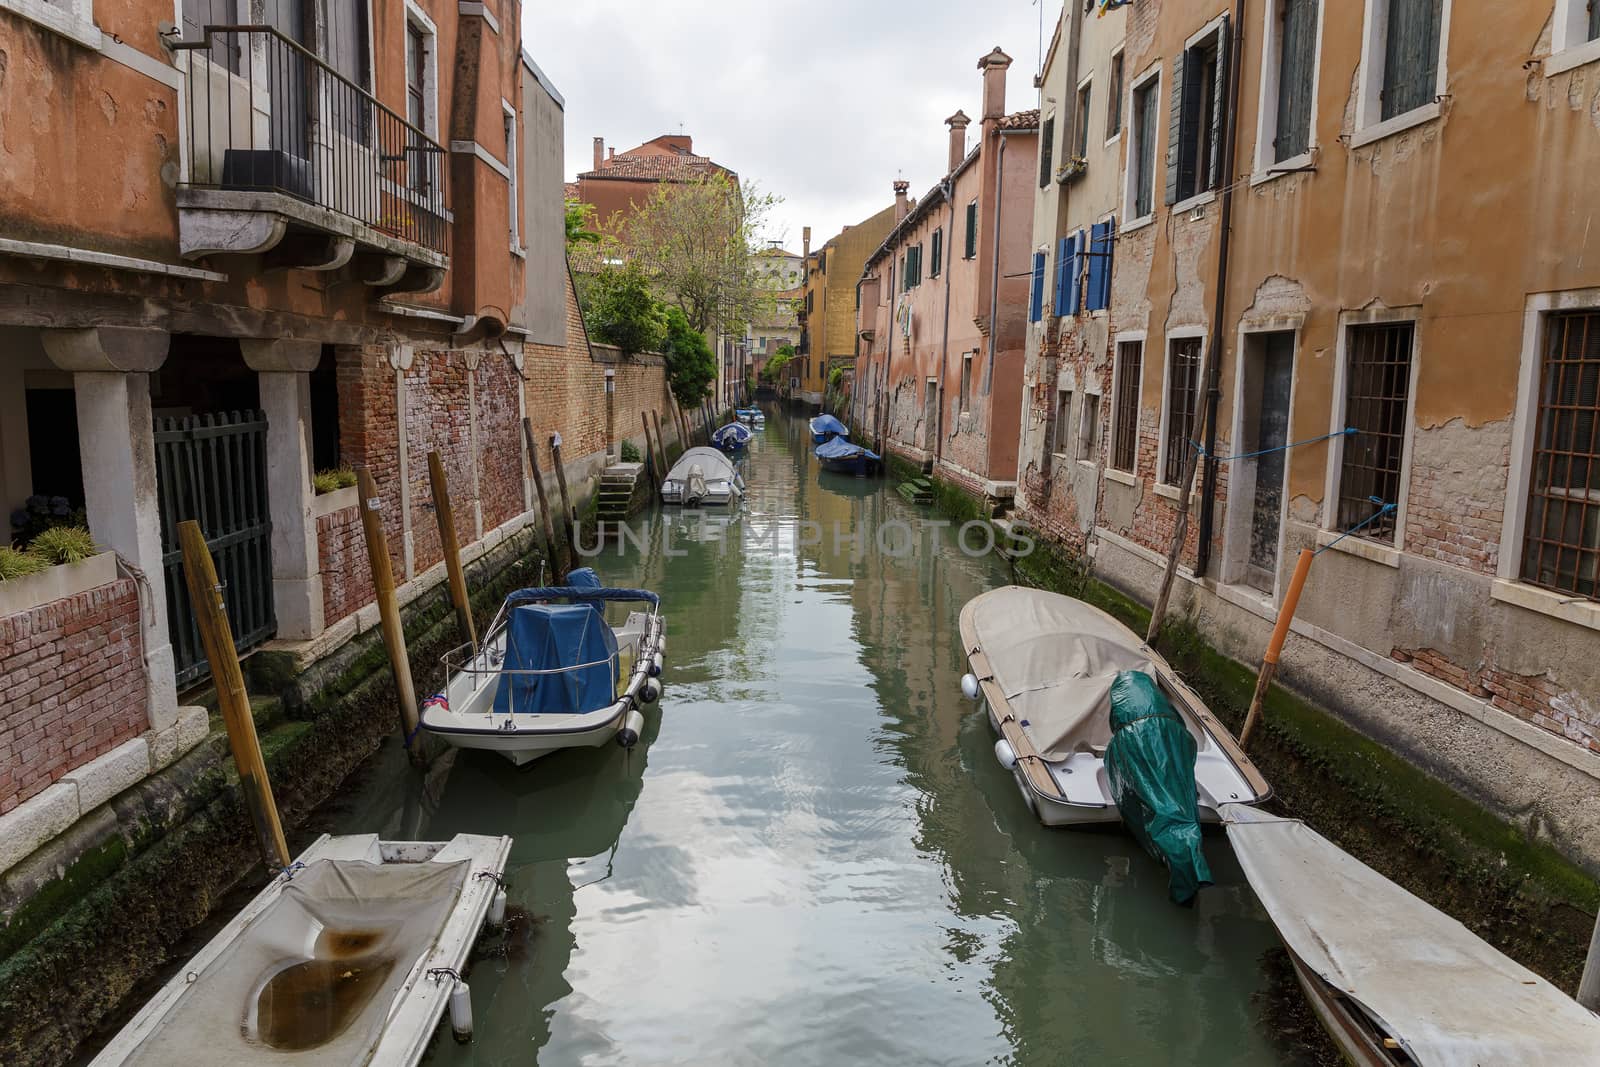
x,y
948,187
1208,482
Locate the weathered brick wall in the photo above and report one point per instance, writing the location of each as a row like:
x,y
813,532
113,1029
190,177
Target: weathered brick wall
x,y
496,384
369,434
1534,698
342,555
72,672
438,418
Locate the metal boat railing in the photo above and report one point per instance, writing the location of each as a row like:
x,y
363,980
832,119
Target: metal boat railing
x,y
263,113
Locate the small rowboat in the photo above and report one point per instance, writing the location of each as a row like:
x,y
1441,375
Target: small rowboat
x,y
552,674
350,955
732,437
842,457
825,428
750,415
702,477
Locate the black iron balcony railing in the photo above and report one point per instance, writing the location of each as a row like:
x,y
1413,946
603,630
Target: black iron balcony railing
x,y
265,114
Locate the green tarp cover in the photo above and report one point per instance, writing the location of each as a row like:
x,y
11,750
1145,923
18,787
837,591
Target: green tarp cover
x,y
1150,763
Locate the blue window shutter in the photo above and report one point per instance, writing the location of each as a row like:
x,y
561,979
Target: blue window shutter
x,y
1064,250
1075,283
1101,242
1036,301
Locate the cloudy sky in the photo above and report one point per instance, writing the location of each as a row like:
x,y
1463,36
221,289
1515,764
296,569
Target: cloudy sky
x,y
822,103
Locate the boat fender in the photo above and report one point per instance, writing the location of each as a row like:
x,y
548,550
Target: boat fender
x,y
497,908
632,727
1005,753
655,665
461,1012
969,686
652,690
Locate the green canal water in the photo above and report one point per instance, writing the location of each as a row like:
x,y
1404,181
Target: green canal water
x,y
812,856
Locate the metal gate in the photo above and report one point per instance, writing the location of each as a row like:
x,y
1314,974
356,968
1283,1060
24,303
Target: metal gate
x,y
213,469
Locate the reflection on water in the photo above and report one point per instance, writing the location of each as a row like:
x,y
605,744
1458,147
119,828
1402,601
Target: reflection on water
x,y
813,858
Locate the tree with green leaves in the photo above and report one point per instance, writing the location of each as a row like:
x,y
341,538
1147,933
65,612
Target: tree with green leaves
x,y
620,310
580,223
691,365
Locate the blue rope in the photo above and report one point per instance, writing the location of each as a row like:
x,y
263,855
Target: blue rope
x,y
412,736
1348,431
1383,509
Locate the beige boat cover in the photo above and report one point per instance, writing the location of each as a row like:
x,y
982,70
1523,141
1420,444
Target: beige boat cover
x,y
1055,659
1448,997
366,925
713,464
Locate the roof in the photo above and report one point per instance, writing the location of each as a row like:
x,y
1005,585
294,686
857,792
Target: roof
x,y
657,166
571,189
1021,120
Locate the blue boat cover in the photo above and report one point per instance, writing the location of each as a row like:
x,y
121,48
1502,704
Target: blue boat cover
x,y
733,433
839,448
577,592
542,637
826,424
584,578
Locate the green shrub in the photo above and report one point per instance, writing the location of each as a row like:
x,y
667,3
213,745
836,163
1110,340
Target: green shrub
x,y
835,376
63,544
691,366
15,564
622,311
329,481
630,453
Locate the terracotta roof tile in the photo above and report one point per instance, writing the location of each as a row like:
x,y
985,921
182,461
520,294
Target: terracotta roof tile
x,y
657,168
1021,120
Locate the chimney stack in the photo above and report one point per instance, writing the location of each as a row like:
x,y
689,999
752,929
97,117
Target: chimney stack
x,y
611,153
599,151
901,205
958,124
805,242
994,67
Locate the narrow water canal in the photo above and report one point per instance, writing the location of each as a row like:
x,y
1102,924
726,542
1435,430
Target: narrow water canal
x,y
813,857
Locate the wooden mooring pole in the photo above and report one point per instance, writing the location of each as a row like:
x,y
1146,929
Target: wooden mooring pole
x,y
544,503
656,454
452,548
661,442
570,517
1180,531
394,634
211,619
1280,632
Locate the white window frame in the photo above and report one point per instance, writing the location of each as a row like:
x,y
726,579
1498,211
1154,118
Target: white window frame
x,y
1090,388
73,19
1509,586
1117,53
1179,333
1131,170
509,119
1065,383
964,382
1388,555
1568,30
1114,472
1237,517
1210,29
1088,118
1266,168
1370,124
417,17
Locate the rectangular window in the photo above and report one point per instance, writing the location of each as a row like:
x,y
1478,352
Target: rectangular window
x,y
1594,20
1144,148
1080,128
1125,412
966,382
1047,142
1114,99
511,168
1199,86
1297,63
1411,55
420,163
1036,294
1183,406
972,230
1561,545
937,254
1063,427
1377,394
1089,426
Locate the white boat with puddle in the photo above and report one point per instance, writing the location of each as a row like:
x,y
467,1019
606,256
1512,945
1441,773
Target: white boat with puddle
x,y
1043,664
551,673
351,955
702,477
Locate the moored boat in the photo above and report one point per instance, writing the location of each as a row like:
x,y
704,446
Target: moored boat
x,y
1044,666
350,955
1392,979
825,428
702,477
842,456
732,437
551,673
750,415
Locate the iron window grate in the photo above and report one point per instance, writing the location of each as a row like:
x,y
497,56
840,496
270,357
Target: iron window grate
x,y
1379,385
1561,547
1125,443
1183,404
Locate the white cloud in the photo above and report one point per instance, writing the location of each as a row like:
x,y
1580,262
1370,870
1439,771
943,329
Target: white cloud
x,y
824,104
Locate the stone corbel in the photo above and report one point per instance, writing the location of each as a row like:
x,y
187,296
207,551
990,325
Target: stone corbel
x,y
280,354
309,252
401,356
417,278
206,233
128,349
379,270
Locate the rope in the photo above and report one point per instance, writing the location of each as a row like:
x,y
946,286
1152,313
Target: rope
x,y
412,736
1383,509
1348,431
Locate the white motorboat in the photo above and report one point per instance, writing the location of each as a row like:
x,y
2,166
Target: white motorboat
x,y
551,673
1043,664
350,955
702,477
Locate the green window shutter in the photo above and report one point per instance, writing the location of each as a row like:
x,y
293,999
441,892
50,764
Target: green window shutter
x,y
972,229
1175,146
1219,107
